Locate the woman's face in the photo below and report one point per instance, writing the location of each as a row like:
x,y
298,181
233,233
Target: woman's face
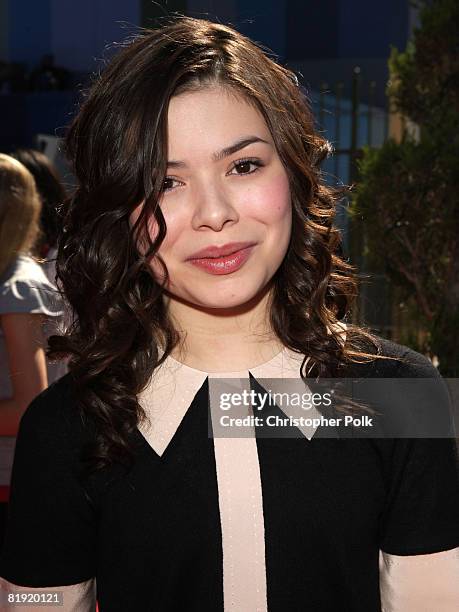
x,y
225,187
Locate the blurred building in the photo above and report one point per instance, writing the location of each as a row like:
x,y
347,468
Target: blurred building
x,y
58,43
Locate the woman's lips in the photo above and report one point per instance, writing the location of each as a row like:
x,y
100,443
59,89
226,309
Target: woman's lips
x,y
223,265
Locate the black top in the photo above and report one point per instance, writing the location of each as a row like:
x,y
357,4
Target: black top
x,y
153,540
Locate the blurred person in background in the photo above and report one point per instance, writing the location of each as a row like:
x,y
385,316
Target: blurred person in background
x,y
30,308
52,194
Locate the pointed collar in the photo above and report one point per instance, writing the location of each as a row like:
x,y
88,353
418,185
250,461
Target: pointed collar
x,y
174,385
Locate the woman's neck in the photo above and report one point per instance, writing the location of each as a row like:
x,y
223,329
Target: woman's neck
x,y
216,340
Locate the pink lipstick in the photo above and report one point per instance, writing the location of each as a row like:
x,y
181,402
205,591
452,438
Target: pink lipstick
x,y
224,259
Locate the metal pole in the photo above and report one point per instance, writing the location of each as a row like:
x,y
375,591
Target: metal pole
x,y
323,89
355,227
354,123
338,98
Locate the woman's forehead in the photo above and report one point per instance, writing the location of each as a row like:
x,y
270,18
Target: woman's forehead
x,y
209,120
210,103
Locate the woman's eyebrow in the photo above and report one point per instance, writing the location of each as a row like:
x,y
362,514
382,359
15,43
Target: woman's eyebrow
x,y
226,152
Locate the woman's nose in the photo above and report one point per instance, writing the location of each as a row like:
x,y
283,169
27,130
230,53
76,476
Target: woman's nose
x,y
213,208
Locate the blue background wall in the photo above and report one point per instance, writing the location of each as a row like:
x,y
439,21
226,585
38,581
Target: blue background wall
x,y
322,41
76,32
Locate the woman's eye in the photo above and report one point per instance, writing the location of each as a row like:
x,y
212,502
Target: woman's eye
x,y
244,166
168,183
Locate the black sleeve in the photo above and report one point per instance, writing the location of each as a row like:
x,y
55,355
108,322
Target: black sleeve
x,y
422,512
50,535
422,506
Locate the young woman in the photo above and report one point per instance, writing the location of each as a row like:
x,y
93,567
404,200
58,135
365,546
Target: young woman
x,y
200,245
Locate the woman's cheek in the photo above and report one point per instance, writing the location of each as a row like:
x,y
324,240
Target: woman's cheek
x,y
271,202
171,246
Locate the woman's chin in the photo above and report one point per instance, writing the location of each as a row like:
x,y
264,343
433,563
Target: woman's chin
x,y
229,301
242,294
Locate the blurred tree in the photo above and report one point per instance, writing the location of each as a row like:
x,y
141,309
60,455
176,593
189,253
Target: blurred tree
x,y
408,191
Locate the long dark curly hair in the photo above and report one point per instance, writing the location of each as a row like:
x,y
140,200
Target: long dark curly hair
x,y
121,330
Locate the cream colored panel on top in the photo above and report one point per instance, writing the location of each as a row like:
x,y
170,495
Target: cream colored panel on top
x,y
420,583
79,597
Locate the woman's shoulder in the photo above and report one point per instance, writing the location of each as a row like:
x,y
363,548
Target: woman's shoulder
x,y
24,287
23,266
54,413
394,360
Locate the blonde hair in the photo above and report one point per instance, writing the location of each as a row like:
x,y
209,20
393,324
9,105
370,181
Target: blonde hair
x,y
20,208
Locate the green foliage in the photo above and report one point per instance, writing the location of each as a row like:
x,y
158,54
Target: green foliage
x,y
424,79
408,192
